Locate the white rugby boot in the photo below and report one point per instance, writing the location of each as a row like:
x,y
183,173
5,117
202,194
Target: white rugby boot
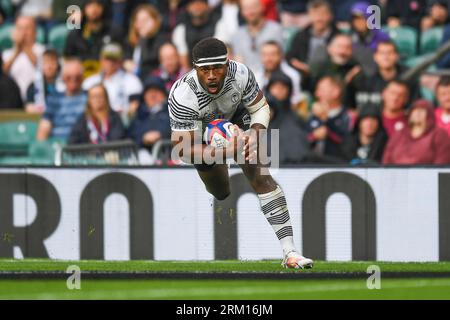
x,y
294,260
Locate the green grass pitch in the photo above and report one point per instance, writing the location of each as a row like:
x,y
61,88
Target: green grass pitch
x,y
408,288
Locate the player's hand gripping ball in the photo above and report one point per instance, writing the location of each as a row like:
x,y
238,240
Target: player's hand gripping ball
x,y
218,132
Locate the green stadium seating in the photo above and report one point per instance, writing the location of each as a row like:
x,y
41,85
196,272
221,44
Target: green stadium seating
x,y
42,152
427,94
288,37
414,61
5,36
57,37
15,137
6,31
405,39
431,39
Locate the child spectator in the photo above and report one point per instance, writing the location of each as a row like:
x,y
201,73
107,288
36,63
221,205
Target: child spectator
x,y
421,142
99,123
330,121
368,140
46,82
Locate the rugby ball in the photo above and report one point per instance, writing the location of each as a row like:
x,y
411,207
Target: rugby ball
x,y
217,133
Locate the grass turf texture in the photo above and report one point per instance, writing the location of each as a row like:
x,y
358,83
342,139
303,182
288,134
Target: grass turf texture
x,y
436,288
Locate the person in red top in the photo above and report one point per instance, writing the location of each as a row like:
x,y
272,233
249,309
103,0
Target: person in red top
x,y
395,97
442,113
421,142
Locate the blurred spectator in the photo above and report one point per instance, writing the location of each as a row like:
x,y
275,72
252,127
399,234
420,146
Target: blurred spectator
x,y
59,9
46,82
405,13
228,23
395,98
38,9
421,141
387,61
22,61
172,11
442,113
368,140
95,32
144,40
340,63
362,35
152,120
312,41
170,69
444,63
293,139
272,61
200,24
123,87
99,123
64,109
293,13
438,15
247,41
9,91
330,121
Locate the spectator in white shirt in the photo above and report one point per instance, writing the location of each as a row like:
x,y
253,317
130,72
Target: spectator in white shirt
x,y
23,60
124,88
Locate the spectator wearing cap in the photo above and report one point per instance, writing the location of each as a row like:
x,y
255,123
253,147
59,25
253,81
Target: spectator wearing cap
x,y
361,34
170,69
293,139
249,38
144,41
438,15
95,32
273,60
46,82
123,87
200,24
64,109
99,123
152,119
395,98
367,142
312,41
421,141
442,113
9,91
22,61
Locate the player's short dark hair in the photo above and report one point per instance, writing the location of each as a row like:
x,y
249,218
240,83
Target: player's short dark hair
x,y
208,48
387,43
444,81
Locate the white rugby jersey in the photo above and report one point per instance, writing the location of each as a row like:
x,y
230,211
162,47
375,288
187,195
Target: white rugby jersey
x,y
191,106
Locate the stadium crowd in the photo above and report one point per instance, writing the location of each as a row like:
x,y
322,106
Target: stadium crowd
x,y
336,86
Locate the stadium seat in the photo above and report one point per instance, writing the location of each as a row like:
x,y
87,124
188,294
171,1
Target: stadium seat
x,y
6,31
427,94
57,37
414,61
15,137
431,39
44,152
405,39
5,36
288,37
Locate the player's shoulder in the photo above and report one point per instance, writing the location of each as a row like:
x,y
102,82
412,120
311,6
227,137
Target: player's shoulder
x,y
185,87
238,70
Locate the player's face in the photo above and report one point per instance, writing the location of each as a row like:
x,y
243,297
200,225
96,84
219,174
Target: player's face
x,y
212,77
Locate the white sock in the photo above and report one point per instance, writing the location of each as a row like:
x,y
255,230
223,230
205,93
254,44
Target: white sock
x,y
274,207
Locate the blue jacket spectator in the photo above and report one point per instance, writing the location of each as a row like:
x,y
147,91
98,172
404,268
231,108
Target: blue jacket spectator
x,y
444,63
64,109
152,119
